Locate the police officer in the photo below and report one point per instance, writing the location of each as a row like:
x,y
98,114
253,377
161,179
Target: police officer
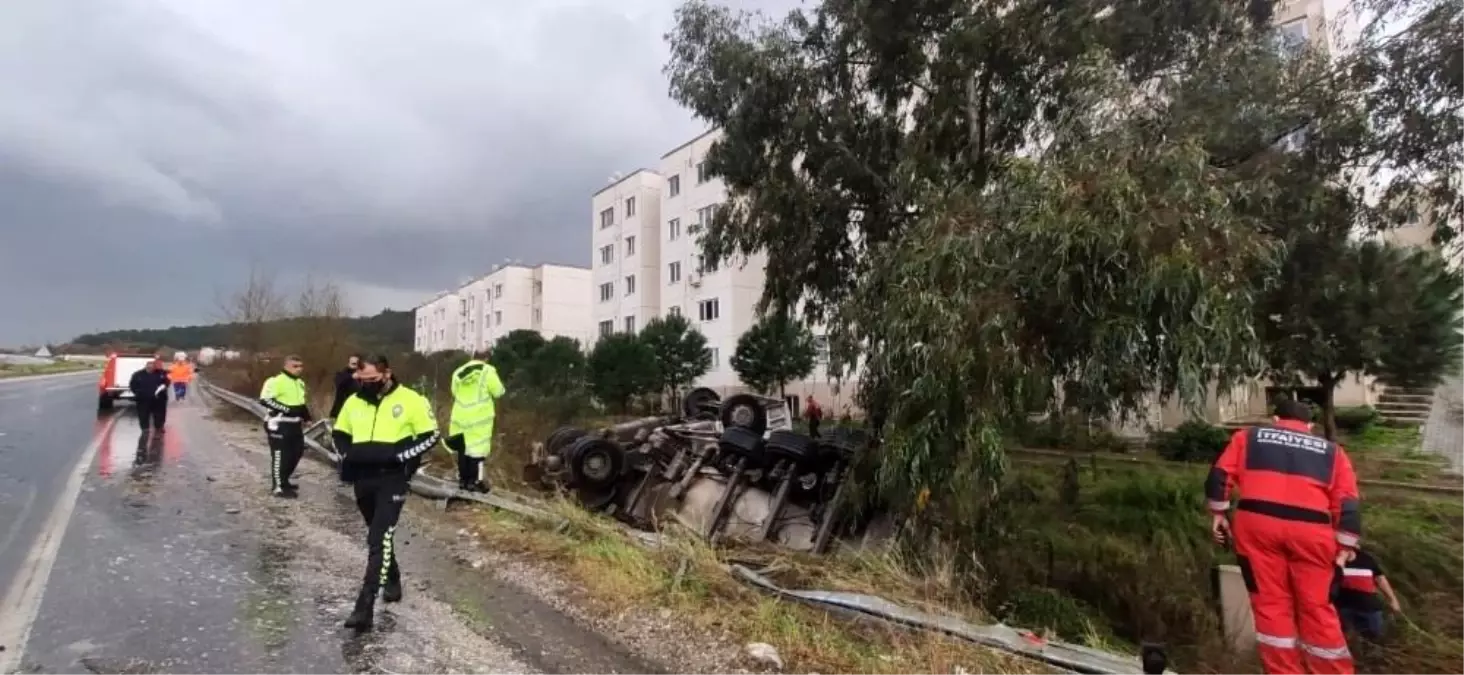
x,y
1296,522
475,387
382,432
283,396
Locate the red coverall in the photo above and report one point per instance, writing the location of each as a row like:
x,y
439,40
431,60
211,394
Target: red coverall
x,y
1298,504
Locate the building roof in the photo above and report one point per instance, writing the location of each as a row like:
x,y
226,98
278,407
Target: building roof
x,y
624,178
698,137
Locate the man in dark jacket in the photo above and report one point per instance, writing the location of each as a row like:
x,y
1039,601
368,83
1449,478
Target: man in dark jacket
x,y
150,393
345,384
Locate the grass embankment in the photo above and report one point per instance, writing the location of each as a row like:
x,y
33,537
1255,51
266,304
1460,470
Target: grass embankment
x,y
53,368
1094,553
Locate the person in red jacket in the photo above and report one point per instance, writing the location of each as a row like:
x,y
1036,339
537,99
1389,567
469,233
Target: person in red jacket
x,y
1296,522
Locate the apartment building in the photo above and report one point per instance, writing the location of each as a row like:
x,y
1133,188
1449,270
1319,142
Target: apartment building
x,y
550,299
647,262
436,324
625,254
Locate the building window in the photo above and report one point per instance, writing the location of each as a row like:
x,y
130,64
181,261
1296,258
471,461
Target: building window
x,y
538,288
701,173
538,316
1292,37
607,254
705,267
673,272
630,285
716,358
498,291
821,349
630,324
607,218
704,217
498,318
708,310
673,229
673,186
673,310
629,246
630,207
606,327
607,291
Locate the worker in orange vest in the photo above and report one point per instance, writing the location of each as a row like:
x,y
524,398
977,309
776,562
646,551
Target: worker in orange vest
x,y
1296,523
180,374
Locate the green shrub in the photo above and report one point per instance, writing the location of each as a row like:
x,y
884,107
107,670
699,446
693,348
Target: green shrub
x,y
1193,441
1071,432
1355,420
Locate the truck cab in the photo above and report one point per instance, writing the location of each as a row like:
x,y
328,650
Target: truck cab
x,y
116,376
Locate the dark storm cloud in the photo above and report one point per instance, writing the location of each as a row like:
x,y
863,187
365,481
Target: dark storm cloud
x,y
152,151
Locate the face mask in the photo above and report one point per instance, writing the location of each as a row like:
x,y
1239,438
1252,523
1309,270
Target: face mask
x,y
373,388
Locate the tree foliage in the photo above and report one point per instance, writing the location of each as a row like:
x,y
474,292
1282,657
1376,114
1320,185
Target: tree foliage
x,y
622,367
978,196
773,352
681,351
558,368
512,355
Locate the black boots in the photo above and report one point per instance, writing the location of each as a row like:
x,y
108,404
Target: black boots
x,y
363,615
392,591
480,486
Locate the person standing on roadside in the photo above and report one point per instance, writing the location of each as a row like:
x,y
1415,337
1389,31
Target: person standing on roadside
x,y
345,384
1359,582
284,397
149,388
1296,522
180,374
381,434
815,414
475,388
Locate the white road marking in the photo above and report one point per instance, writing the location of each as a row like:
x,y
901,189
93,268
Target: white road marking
x,y
23,601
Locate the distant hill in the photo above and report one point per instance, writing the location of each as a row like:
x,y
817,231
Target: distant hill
x,y
390,331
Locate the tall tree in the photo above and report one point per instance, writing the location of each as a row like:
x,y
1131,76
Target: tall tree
x,y
621,368
681,351
557,369
513,354
773,352
979,195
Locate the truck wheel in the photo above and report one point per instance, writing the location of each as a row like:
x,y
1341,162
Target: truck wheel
x,y
104,403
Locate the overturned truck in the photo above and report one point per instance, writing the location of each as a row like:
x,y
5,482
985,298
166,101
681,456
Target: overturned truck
x,y
731,468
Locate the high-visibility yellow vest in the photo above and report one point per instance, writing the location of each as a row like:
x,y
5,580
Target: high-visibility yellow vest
x,y
475,386
284,395
398,428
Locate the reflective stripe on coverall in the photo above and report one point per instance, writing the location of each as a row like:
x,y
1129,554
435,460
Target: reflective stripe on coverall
x,y
1298,504
475,386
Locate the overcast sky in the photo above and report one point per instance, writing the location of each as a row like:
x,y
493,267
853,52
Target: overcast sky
x,y
151,151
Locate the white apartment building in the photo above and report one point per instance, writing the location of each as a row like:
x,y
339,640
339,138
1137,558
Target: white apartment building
x,y
658,246
437,324
625,282
550,299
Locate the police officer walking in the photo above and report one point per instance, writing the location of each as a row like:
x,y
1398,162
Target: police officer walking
x,y
1296,522
283,396
475,387
382,432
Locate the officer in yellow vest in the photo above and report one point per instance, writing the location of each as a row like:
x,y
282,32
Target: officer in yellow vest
x,y
382,432
283,396
475,387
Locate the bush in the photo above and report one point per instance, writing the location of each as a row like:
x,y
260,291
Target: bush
x,y
1193,441
1071,432
1356,420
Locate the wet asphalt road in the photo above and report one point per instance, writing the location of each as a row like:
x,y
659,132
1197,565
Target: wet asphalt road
x,y
173,558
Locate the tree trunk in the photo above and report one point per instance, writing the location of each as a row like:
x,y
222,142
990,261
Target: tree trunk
x,y
1328,384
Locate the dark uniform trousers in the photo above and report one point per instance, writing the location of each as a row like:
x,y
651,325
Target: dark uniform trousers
x,y
380,499
286,447
152,414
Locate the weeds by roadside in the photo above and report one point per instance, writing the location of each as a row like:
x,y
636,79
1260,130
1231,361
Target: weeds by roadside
x,y
53,368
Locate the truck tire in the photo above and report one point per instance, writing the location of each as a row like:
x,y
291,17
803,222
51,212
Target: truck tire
x,y
744,410
104,403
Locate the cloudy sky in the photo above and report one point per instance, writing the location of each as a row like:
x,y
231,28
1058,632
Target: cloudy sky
x,y
151,151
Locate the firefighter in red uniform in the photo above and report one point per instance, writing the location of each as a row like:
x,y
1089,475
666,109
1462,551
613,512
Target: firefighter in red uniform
x,y
1296,522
